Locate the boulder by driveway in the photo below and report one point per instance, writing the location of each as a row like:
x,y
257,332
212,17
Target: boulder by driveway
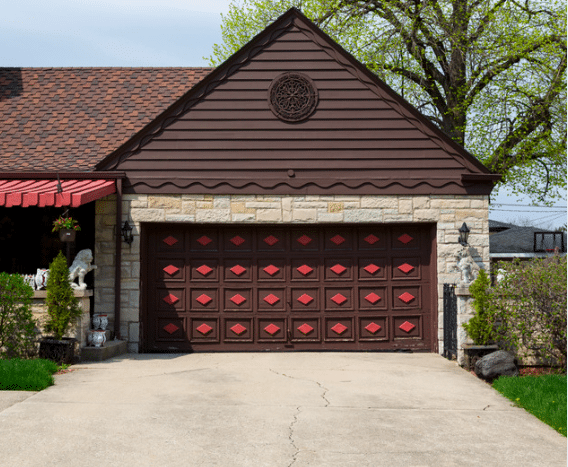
x,y
273,409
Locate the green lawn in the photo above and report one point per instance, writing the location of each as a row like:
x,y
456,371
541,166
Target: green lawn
x,y
26,375
543,396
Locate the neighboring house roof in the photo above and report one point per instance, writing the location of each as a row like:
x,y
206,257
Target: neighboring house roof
x,y
497,226
69,119
516,242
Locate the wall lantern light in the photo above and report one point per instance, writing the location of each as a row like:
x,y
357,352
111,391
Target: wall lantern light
x,y
127,233
464,234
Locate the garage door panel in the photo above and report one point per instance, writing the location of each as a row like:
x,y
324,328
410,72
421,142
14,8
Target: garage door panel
x,y
170,299
374,328
305,299
407,327
204,300
238,240
237,270
297,287
306,269
272,329
406,268
205,330
373,298
271,270
271,299
171,270
306,329
372,269
338,298
338,269
338,239
238,329
204,240
339,329
237,299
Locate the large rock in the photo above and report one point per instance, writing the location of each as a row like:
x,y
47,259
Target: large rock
x,y
496,364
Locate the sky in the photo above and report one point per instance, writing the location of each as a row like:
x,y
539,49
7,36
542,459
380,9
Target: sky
x,y
77,33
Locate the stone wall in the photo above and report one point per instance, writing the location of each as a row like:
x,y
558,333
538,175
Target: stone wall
x,y
447,211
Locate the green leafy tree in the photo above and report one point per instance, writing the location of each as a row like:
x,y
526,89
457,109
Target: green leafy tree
x,y
530,299
17,325
481,327
491,74
62,305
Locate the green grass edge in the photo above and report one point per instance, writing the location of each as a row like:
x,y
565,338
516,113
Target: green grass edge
x,y
27,375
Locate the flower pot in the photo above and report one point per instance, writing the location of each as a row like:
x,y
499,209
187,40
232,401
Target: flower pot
x,y
67,235
97,338
100,322
60,351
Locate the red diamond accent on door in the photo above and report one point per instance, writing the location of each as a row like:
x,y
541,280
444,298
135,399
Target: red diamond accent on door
x,y
204,329
271,270
272,329
338,269
238,329
372,328
339,299
371,268
305,299
171,269
405,239
304,269
271,299
406,268
204,240
339,328
406,326
170,299
338,239
237,240
371,239
271,240
170,240
204,270
304,240
238,299
171,328
305,329
237,270
372,298
406,297
204,299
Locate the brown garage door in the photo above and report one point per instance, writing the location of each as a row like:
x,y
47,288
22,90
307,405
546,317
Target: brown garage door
x,y
288,287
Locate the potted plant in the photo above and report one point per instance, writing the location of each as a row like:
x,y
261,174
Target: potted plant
x,y
67,228
62,311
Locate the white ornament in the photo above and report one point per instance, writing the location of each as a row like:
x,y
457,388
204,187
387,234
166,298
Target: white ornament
x,y
80,267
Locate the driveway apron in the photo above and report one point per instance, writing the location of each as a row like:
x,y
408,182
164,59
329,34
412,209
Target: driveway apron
x,y
272,409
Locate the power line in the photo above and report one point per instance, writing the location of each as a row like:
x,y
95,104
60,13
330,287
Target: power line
x,y
529,206
523,211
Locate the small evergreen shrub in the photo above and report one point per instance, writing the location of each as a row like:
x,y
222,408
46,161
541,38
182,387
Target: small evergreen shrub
x,y
481,327
62,305
17,326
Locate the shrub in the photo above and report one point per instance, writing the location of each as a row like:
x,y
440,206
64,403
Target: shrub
x,y
62,305
530,300
481,327
17,325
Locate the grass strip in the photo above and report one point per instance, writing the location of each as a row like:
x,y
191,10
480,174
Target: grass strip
x,y
26,375
543,396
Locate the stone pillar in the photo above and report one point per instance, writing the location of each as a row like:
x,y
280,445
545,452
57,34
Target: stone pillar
x,y
465,312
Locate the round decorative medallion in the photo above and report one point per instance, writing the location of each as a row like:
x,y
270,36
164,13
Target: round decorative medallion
x,y
292,97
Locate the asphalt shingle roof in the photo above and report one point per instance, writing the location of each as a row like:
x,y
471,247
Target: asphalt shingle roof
x,y
68,119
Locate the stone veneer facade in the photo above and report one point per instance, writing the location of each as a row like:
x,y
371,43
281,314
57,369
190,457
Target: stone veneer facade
x,y
447,211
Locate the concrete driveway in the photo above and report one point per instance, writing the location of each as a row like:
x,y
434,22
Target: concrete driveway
x,y
272,409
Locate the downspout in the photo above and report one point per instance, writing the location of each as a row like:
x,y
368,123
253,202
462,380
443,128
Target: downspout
x,y
118,258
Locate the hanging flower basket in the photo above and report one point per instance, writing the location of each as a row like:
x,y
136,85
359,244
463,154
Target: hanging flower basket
x,y
67,228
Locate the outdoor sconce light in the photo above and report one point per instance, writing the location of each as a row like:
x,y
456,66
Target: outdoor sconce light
x,y
127,233
464,234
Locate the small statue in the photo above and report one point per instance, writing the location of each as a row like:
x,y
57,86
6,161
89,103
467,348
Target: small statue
x,y
467,266
41,278
80,267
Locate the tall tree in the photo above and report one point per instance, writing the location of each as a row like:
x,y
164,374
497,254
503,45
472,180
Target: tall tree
x,y
490,73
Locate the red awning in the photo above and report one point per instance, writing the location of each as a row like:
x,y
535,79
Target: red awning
x,y
43,193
